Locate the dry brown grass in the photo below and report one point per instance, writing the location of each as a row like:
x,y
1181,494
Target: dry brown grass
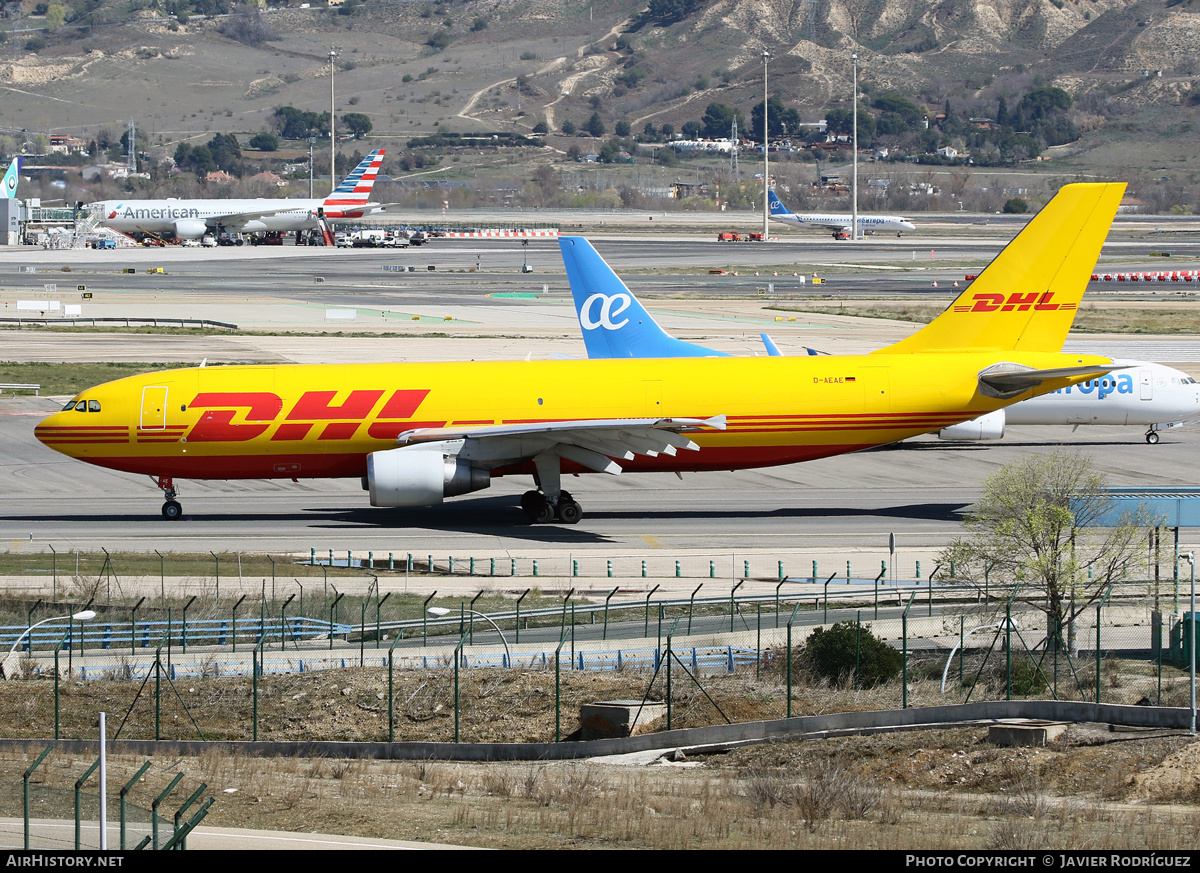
x,y
882,792
936,789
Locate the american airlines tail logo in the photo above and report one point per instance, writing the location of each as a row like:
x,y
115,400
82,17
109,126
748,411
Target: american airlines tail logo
x,y
609,308
1014,302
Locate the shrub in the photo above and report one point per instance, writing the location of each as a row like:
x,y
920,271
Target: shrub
x,y
832,652
1016,206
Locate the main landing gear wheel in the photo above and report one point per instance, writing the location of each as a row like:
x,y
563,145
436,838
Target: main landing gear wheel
x,y
1152,437
171,510
541,511
568,511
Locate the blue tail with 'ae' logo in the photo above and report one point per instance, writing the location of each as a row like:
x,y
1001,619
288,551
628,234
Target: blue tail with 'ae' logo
x,y
614,323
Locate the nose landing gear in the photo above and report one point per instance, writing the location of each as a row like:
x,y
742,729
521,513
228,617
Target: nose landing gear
x,y
172,510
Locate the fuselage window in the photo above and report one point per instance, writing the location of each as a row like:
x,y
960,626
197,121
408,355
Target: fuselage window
x,y
93,406
81,406
70,405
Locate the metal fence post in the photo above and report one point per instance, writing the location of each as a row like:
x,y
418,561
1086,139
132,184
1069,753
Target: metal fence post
x,y
125,789
25,790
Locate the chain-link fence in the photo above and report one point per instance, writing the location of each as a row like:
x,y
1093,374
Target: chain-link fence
x,y
367,666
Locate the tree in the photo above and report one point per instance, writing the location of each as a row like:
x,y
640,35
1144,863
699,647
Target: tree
x,y
832,653
568,127
1016,206
247,26
225,152
1037,525
595,125
691,129
783,120
264,142
622,128
357,123
56,17
718,121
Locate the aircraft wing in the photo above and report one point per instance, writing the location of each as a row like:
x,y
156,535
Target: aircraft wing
x,y
1008,380
228,217
590,443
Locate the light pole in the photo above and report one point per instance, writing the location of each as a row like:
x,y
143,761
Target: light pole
x,y
312,140
854,156
9,667
332,124
766,58
440,611
1190,557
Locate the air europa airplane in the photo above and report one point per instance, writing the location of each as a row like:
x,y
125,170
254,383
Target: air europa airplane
x,y
418,433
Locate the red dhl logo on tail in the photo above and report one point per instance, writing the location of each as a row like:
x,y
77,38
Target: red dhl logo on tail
x,y
1016,302
341,421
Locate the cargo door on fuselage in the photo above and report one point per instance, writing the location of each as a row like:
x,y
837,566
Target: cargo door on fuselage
x,y
154,408
877,389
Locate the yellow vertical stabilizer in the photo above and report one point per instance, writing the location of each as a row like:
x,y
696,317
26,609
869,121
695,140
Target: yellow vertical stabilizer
x,y
1027,297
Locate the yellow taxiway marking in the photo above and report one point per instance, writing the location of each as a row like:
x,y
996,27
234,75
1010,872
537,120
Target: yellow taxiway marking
x,y
653,542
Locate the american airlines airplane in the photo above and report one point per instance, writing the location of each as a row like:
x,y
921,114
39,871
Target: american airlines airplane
x,y
192,219
616,325
839,224
10,181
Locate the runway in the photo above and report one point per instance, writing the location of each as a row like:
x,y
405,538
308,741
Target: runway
x,y
814,511
917,490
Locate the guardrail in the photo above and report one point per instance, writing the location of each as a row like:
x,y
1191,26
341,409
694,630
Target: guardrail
x,y
14,387
128,322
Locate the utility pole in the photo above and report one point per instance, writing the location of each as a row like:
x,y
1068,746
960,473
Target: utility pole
x,y
332,125
854,174
766,57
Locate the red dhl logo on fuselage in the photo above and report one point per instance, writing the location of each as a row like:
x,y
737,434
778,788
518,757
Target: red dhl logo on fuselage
x,y
315,410
1017,302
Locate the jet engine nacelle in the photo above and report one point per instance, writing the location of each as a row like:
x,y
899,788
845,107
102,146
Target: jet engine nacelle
x,y
986,427
190,228
420,477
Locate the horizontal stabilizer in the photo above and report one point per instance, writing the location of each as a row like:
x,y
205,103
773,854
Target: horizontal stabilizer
x,y
1005,381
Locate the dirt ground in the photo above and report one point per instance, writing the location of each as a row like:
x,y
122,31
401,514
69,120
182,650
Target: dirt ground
x,y
1095,787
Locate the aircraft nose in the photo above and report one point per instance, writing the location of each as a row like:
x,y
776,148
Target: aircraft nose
x,y
49,428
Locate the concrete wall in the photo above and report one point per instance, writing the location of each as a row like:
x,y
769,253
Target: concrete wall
x,y
714,737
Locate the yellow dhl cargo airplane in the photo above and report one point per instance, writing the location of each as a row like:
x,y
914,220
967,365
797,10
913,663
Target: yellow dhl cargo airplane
x,y
418,433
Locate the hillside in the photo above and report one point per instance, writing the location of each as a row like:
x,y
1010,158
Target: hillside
x,y
506,65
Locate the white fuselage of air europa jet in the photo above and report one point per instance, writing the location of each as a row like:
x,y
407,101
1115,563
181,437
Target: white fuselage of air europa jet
x,y
1140,393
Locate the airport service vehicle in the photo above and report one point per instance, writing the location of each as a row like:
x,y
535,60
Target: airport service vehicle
x,y
193,219
397,240
368,238
417,433
729,236
837,222
103,244
342,240
208,241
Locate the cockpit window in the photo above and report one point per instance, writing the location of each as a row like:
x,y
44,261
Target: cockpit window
x,y
70,405
81,406
93,406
